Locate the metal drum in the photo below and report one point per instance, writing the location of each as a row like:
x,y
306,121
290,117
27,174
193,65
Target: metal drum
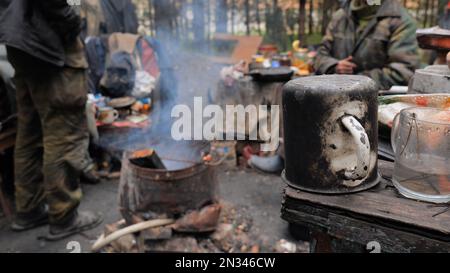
x,y
185,185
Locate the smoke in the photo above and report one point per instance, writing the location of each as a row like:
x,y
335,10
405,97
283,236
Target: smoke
x,y
186,72
194,72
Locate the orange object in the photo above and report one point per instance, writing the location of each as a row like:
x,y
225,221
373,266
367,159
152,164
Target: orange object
x,y
444,183
146,107
143,153
207,158
447,103
421,101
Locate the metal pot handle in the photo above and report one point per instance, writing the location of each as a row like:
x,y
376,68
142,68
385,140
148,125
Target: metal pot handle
x,y
363,152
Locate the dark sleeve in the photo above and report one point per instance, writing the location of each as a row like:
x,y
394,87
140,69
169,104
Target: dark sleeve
x,y
403,56
324,63
63,18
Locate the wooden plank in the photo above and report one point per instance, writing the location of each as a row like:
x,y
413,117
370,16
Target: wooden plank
x,y
373,204
246,47
383,204
353,235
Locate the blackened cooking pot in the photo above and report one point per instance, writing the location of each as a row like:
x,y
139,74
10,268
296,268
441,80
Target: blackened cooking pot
x,y
331,130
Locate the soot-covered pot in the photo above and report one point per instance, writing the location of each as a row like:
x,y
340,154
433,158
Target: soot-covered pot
x,y
331,133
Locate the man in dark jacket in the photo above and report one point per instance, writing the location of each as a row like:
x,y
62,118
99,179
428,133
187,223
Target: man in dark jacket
x,y
52,137
378,41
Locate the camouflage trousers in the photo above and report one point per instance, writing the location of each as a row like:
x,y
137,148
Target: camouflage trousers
x,y
52,136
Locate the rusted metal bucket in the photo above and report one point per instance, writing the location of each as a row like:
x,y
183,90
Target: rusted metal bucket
x,y
170,192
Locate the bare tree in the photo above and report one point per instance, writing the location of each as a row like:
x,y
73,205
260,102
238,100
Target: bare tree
x,y
433,13
163,26
221,16
233,14
418,9
258,17
247,16
208,19
326,14
311,17
301,21
198,8
427,6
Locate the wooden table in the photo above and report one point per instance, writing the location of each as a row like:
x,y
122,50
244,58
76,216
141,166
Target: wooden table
x,y
378,218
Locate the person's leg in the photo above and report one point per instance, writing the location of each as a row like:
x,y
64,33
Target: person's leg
x,y
64,137
61,98
29,190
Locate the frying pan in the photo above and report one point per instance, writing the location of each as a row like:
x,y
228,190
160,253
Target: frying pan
x,y
279,74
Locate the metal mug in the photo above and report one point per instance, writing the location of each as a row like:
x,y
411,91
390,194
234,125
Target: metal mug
x,y
421,142
331,133
107,115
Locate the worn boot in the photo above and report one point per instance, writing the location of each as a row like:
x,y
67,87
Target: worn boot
x,y
82,221
90,177
30,220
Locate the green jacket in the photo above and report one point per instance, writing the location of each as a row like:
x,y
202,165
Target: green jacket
x,y
386,51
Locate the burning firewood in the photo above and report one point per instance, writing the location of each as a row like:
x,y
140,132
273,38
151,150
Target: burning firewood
x,y
147,159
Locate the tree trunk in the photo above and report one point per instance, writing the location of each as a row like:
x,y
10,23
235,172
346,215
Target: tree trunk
x,y
221,16
208,20
247,16
199,22
418,9
151,17
268,18
326,8
174,19
427,6
433,13
233,15
301,21
278,30
311,17
258,17
162,19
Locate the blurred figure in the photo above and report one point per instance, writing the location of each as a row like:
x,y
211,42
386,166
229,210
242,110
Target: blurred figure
x,y
52,137
378,41
120,16
107,16
444,20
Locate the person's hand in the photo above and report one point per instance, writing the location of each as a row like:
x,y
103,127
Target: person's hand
x,y
345,66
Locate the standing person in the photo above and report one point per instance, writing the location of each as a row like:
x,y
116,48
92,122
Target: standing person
x,y
378,41
52,137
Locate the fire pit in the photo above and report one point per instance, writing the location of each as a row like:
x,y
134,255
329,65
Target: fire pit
x,y
185,184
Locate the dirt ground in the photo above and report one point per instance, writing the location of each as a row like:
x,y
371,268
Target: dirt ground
x,y
256,195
